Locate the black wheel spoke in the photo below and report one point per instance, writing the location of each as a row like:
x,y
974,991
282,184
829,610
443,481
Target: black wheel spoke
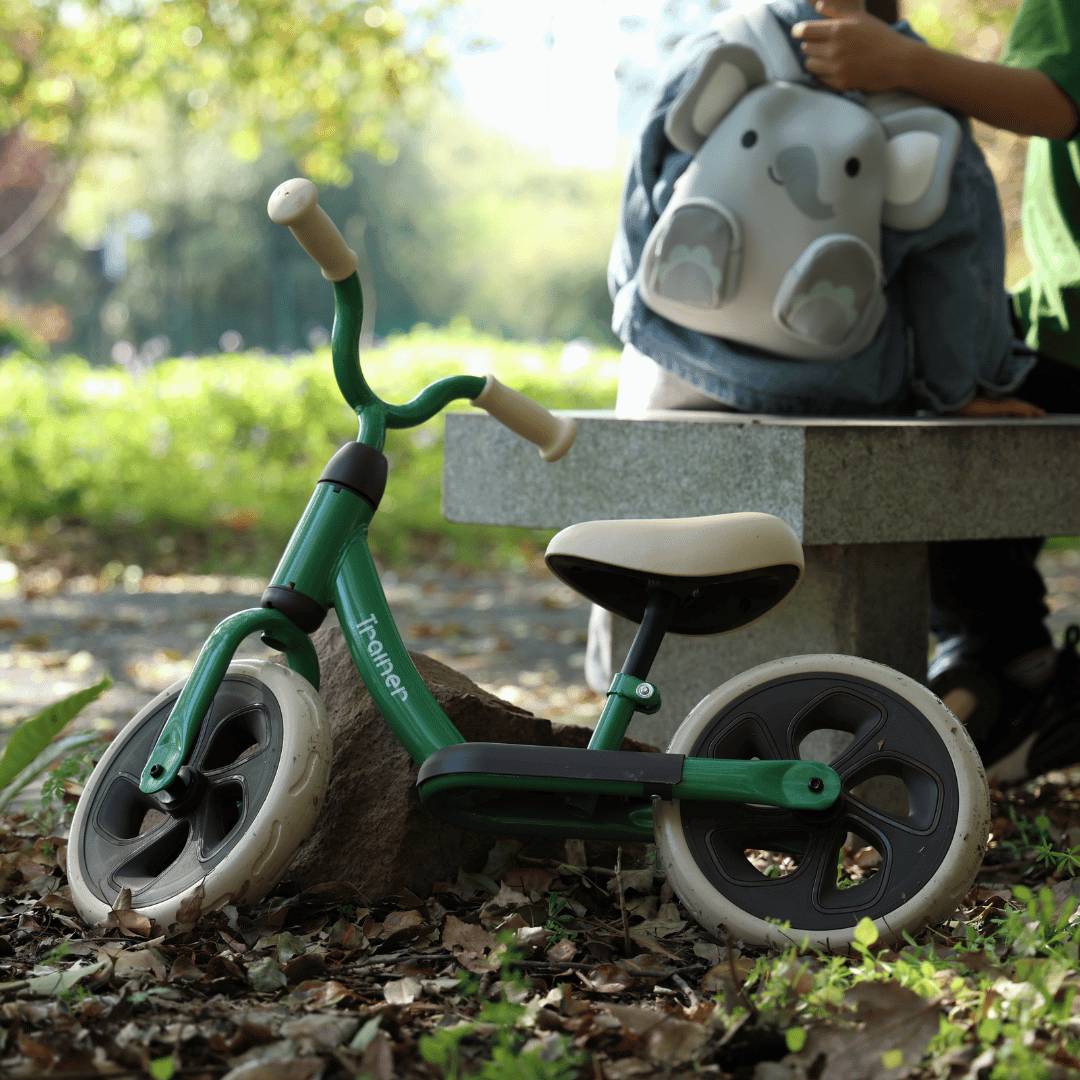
x,y
247,769
226,741
902,844
219,813
816,876
137,863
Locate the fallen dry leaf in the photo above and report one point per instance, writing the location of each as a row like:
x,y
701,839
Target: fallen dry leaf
x,y
296,1069
607,979
130,962
889,1018
334,892
473,946
378,1059
562,951
190,911
402,920
403,991
674,1041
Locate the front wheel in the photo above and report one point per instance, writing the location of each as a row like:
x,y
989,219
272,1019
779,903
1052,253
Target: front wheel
x,y
260,765
902,844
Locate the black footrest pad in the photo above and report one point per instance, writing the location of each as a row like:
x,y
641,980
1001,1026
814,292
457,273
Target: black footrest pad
x,y
553,762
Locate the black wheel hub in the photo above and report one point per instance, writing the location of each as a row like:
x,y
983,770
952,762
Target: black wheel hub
x,y
185,793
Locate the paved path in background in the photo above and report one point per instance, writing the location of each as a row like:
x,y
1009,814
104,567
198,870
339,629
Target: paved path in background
x,y
522,636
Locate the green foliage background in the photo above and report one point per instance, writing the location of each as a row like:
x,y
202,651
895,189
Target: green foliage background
x,y
462,224
322,77
234,444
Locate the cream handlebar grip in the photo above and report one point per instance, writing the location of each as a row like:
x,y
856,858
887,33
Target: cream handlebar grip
x,y
553,434
296,204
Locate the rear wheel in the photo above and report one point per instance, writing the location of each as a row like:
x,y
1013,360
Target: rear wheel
x,y
902,844
256,781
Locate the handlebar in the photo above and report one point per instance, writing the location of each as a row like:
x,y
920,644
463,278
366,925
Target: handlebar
x,y
553,434
296,204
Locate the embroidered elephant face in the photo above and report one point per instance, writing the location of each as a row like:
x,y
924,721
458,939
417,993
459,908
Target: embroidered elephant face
x,y
773,235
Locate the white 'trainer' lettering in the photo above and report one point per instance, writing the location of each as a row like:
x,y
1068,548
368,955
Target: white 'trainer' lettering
x,y
381,662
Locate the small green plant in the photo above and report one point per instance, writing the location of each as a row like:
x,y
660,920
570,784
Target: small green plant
x,y
1038,836
558,916
76,768
443,1048
34,747
555,1060
56,956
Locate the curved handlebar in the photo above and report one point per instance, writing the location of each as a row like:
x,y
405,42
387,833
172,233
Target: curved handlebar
x,y
296,204
553,434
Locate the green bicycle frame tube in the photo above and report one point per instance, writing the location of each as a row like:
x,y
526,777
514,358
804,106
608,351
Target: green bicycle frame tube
x,y
310,562
395,685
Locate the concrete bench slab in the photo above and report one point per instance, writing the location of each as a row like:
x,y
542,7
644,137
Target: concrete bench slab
x,y
864,496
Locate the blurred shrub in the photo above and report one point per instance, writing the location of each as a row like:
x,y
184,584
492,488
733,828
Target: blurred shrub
x,y
236,442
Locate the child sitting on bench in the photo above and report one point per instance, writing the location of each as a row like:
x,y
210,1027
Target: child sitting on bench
x,y
945,344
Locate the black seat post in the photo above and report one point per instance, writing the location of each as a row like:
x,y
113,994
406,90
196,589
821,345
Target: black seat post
x,y
659,610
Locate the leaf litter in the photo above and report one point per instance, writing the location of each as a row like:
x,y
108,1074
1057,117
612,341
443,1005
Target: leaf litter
x,y
554,969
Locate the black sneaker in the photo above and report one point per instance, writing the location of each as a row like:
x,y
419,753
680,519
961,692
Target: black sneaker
x,y
992,697
1046,737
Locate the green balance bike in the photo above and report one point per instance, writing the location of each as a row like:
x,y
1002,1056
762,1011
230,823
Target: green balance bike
x,y
208,792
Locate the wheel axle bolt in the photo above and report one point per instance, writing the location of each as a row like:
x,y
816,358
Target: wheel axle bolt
x,y
156,770
816,785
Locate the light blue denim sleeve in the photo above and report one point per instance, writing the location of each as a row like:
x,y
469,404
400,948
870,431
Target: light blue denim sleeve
x,y
946,332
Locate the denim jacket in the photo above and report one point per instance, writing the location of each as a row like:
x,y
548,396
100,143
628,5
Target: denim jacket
x,y
946,335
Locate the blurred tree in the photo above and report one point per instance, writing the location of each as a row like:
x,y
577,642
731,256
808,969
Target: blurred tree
x,y
321,77
464,223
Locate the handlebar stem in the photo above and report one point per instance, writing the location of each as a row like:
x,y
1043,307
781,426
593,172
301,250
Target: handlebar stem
x,y
376,415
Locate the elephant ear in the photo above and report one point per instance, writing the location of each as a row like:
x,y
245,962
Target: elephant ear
x,y
729,71
919,156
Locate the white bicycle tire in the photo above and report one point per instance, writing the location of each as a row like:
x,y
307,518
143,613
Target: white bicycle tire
x,y
939,895
257,859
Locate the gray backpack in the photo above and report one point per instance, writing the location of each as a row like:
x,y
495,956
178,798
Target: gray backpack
x,y
772,237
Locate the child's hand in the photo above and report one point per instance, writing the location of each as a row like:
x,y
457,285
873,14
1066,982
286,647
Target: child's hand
x,y
988,408
851,50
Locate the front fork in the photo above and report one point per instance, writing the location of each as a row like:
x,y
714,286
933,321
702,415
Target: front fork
x,y
294,604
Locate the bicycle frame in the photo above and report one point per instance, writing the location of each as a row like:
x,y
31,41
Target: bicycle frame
x,y
327,563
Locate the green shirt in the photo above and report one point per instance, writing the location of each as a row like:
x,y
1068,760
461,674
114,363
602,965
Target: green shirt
x,y
1046,36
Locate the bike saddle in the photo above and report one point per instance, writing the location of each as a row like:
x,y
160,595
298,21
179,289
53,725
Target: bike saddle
x,y
726,570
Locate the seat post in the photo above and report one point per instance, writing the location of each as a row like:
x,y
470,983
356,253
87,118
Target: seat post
x,y
654,625
660,608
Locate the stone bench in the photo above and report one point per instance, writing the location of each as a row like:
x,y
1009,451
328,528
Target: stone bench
x,y
864,496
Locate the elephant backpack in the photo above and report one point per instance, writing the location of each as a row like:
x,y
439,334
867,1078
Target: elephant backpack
x,y
772,237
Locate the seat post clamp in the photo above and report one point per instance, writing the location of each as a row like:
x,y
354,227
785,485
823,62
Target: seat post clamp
x,y
644,696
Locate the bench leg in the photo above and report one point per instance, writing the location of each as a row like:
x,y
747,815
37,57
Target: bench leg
x,y
870,600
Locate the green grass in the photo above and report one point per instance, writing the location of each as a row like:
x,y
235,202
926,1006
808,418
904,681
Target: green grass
x,y
208,463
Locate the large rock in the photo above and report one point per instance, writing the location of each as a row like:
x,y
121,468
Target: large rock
x,y
373,830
